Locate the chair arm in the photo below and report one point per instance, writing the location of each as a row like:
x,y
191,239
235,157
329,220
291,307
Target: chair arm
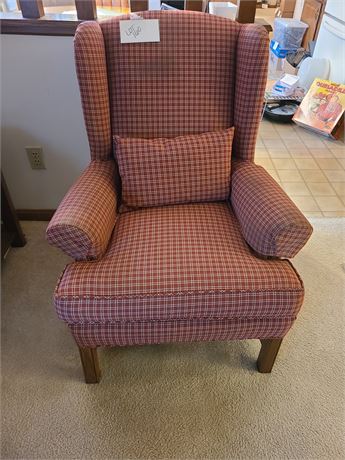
x,y
270,222
84,221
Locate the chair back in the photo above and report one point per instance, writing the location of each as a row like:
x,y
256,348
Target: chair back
x,y
206,73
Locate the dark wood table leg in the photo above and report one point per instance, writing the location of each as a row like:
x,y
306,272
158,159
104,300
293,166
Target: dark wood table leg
x,y
89,360
11,231
268,353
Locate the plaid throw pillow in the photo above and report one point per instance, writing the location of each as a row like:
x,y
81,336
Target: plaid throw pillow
x,y
184,169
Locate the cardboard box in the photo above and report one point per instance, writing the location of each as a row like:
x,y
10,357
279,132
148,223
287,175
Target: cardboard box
x,y
287,6
286,9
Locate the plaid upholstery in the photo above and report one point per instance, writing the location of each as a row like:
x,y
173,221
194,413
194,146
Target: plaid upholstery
x,y
251,74
270,222
184,169
84,221
195,330
173,263
182,85
180,272
93,83
206,74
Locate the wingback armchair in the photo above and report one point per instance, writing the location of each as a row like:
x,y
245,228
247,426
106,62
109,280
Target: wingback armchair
x,y
210,266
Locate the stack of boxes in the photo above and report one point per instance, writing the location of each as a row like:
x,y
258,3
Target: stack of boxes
x,y
287,37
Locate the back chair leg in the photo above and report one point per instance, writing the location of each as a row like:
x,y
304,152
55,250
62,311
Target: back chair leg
x,y
89,360
268,354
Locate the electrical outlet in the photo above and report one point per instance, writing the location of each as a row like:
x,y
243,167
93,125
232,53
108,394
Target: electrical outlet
x,y
35,156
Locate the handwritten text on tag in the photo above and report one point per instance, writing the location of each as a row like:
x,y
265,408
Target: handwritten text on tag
x,y
139,31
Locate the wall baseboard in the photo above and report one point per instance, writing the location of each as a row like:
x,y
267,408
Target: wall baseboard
x,y
35,214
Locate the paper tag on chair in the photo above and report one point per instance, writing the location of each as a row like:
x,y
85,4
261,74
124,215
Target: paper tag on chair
x,y
139,31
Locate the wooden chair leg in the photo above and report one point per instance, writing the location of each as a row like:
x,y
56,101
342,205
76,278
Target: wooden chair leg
x,y
89,360
268,354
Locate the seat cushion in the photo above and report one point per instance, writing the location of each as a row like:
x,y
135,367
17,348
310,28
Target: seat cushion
x,y
184,169
124,333
178,262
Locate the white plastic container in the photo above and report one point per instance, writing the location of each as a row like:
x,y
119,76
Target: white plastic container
x,y
312,68
276,66
224,9
289,32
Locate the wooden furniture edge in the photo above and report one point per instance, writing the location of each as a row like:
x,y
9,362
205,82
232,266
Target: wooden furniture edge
x,y
268,353
53,27
90,363
11,231
35,214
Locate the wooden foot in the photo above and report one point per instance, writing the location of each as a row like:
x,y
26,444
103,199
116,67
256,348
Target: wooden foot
x,y
89,360
268,354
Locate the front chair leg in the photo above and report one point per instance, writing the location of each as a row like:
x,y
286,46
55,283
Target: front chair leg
x,y
268,354
89,360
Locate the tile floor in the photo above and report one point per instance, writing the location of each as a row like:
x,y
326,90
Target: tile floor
x,y
310,168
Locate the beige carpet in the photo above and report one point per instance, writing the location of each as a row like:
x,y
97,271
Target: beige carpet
x,y
195,401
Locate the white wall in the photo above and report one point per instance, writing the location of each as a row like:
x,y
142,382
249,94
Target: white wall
x,y
40,106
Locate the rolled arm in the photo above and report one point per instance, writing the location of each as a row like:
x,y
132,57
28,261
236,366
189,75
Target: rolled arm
x,y
270,222
84,221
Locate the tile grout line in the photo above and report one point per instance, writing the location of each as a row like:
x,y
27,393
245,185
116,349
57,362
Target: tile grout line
x,y
282,139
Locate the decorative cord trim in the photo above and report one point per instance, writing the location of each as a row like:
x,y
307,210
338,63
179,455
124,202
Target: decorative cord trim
x,y
172,294
222,318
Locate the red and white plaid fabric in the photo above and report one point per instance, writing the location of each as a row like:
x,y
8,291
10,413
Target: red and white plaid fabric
x,y
84,221
124,333
181,262
185,84
251,78
184,169
206,74
180,272
270,222
91,69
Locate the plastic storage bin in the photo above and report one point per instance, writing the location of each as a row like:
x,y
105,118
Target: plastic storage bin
x,y
276,65
225,9
289,32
